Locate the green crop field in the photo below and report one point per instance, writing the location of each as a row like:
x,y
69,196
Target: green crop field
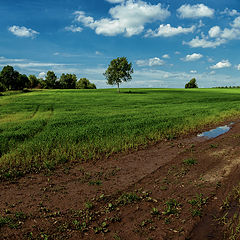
x,y
41,129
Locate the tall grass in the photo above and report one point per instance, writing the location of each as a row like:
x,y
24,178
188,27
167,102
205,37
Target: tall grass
x,y
41,129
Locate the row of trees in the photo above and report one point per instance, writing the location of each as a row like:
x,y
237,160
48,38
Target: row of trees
x,y
11,79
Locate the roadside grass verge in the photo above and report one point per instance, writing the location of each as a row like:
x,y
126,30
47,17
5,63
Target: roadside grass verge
x,y
42,129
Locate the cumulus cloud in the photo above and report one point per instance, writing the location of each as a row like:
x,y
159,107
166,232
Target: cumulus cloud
x,y
214,32
229,12
42,75
195,11
166,56
227,33
238,67
168,31
204,43
150,62
217,35
73,28
128,18
236,23
193,71
222,64
192,57
23,31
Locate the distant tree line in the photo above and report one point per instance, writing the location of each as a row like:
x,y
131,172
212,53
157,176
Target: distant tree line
x,y
11,79
228,87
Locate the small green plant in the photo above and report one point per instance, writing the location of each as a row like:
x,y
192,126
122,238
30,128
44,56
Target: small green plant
x,y
127,198
95,182
89,205
213,145
197,204
155,212
172,207
196,212
101,228
190,161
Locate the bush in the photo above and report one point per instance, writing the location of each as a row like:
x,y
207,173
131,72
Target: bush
x,y
191,84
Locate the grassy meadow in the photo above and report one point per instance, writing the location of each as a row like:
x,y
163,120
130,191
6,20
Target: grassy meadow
x,y
41,129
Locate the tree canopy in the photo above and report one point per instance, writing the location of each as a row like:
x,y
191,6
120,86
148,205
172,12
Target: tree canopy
x,y
11,79
192,84
68,81
84,83
51,79
118,71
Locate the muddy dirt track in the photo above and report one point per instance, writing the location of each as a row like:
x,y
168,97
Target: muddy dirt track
x,y
178,189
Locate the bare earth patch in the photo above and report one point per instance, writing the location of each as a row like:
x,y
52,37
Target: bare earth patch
x,y
171,190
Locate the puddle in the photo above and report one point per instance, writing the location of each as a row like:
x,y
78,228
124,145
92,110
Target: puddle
x,y
216,132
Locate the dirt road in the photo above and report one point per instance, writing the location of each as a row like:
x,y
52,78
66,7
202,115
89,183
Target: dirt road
x,y
186,188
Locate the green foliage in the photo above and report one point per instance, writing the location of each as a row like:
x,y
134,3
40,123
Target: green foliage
x,y
2,87
45,128
33,81
172,207
192,84
119,70
190,161
84,83
9,77
23,82
50,79
68,81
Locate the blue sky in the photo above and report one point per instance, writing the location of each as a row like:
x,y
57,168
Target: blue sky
x,y
169,41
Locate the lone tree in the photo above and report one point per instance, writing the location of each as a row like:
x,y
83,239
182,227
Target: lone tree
x,y
119,70
191,84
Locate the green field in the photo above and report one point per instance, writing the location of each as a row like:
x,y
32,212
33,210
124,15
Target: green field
x,y
41,129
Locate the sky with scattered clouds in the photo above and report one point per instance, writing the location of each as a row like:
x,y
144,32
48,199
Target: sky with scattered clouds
x,y
168,41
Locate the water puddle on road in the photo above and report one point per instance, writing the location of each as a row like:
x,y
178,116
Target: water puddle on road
x,y
216,132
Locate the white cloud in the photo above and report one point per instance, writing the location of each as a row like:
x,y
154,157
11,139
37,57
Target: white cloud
x,y
128,18
214,32
238,67
195,11
236,23
115,1
166,56
168,31
42,75
150,62
231,34
177,53
210,59
229,12
222,64
205,43
193,71
9,60
192,57
73,28
227,33
98,53
23,31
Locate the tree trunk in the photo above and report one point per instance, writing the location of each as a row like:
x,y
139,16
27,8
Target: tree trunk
x,y
118,88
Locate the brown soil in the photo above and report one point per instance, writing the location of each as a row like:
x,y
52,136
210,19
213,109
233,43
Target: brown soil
x,y
138,195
